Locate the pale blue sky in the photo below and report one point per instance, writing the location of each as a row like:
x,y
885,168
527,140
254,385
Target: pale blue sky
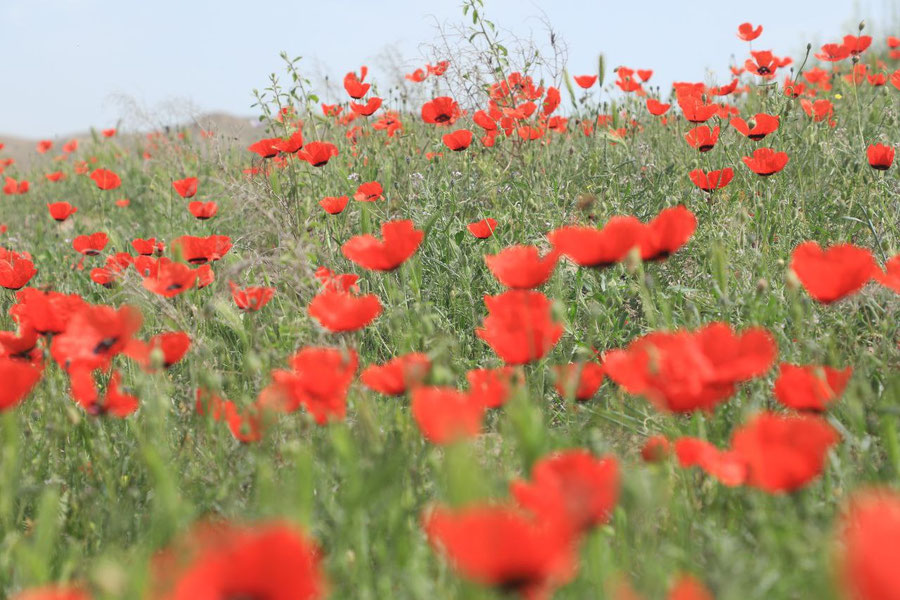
x,y
65,60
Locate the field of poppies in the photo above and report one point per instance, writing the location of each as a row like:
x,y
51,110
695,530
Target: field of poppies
x,y
513,333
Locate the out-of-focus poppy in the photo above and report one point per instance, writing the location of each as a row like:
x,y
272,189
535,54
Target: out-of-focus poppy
x,y
579,380
519,326
399,241
747,32
106,179
832,274
446,415
585,81
397,375
338,311
186,188
869,536
809,387
521,267
251,298
503,547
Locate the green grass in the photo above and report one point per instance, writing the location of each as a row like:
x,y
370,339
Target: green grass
x,y
92,499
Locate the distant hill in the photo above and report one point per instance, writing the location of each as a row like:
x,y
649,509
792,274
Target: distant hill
x,y
239,130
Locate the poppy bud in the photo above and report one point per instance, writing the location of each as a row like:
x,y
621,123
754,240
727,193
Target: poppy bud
x,y
762,285
791,280
157,358
633,260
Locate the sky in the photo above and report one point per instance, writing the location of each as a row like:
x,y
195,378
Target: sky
x,y
73,64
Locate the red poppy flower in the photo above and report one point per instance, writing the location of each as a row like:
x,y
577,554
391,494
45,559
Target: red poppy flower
x,y
16,270
318,381
656,448
667,232
90,245
203,210
334,205
164,349
490,387
880,157
19,345
147,247
783,453
55,176
829,275
60,211
446,415
106,179
251,299
396,376
809,387
590,247
519,326
48,313
94,335
482,229
318,153
18,377
439,69
685,371
458,140
551,101
766,161
123,202
503,547
272,560
579,380
760,126
702,137
818,110
43,146
657,108
344,311
585,81
202,250
857,45
108,133
521,267
443,110
688,587
15,187
747,33
713,180
291,145
186,188
115,402
370,191
726,466
354,85
572,488
763,63
366,109
265,148
890,278
70,146
724,90
399,241
417,76
869,534
695,110
170,279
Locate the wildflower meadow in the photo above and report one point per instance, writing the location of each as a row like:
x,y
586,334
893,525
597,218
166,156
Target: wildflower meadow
x,y
502,331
